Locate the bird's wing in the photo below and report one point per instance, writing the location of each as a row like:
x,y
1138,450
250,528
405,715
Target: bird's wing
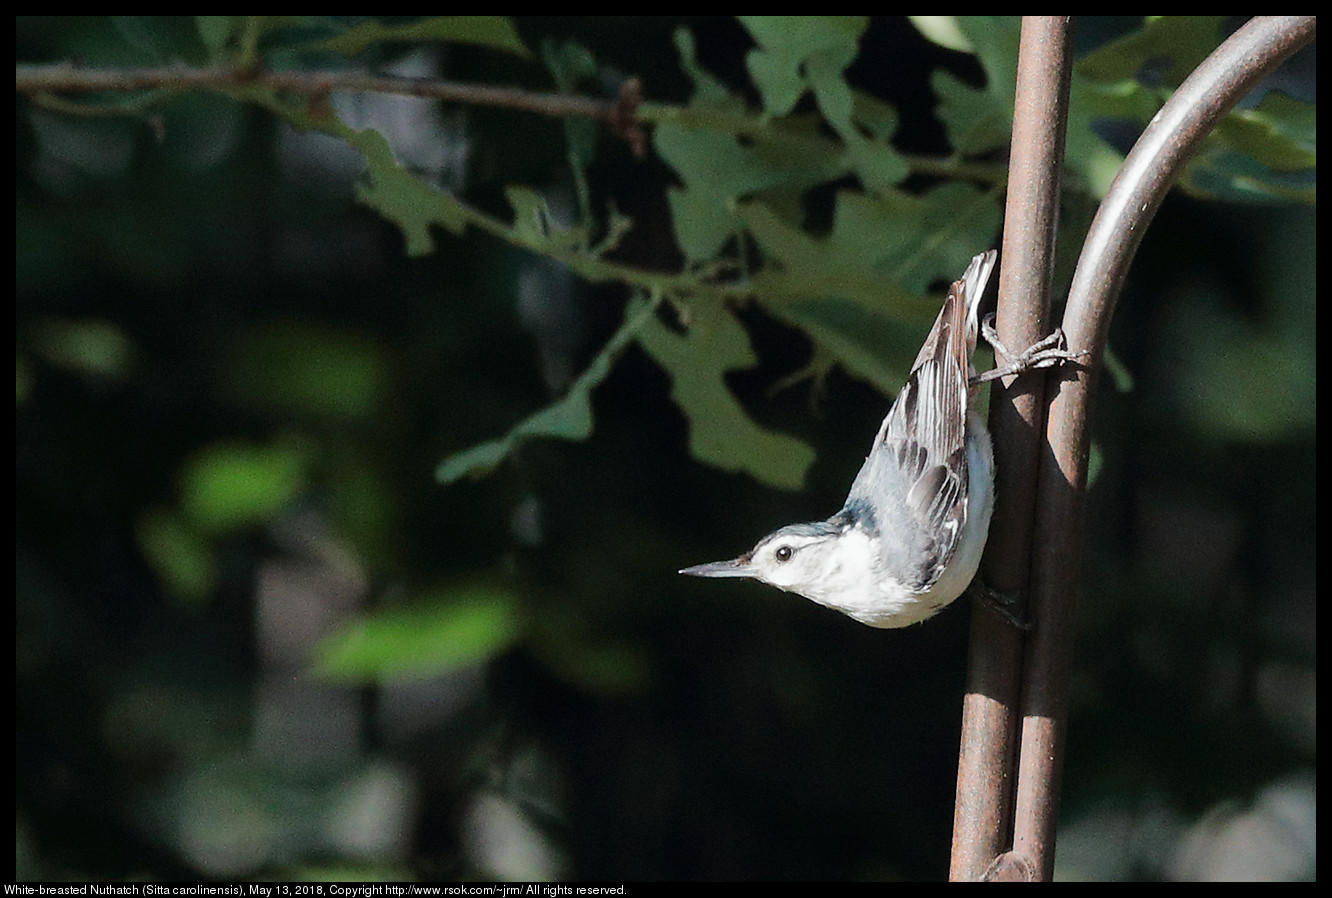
x,y
915,478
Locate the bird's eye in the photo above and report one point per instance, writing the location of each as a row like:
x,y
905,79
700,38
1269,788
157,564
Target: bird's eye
x,y
783,553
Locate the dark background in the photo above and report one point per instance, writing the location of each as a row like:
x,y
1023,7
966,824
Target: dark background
x,y
643,726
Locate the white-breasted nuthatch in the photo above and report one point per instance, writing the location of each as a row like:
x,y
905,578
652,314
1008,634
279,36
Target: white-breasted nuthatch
x,y
910,536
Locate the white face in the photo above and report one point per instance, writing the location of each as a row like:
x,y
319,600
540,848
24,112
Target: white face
x,y
833,567
793,559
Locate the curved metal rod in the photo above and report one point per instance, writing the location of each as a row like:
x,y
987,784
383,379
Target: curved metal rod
x,y
1150,169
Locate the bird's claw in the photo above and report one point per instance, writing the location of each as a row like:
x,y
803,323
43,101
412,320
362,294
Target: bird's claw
x,y
1005,605
1045,353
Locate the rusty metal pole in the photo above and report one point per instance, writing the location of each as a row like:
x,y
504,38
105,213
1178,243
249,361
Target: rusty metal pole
x,y
982,822
1146,175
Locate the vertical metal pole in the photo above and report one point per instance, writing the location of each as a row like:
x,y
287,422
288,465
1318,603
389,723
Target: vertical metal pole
x,y
982,826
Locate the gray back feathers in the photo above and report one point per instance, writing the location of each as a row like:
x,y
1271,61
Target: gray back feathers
x,y
915,478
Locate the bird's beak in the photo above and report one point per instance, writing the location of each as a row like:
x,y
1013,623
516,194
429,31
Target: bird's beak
x,y
736,567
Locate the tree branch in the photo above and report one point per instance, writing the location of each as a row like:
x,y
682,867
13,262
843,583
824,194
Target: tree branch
x,y
619,114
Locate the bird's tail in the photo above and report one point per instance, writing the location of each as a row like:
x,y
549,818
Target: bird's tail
x,y
957,327
973,284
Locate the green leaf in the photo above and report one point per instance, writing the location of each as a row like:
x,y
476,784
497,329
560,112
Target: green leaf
x,y
777,158
876,347
824,70
1158,56
715,162
958,220
495,32
215,32
709,93
1217,172
568,419
569,63
778,80
800,52
715,169
148,35
806,52
703,222
1291,119
99,349
1268,152
591,661
304,368
387,188
251,33
878,165
1126,81
182,558
781,161
1280,133
977,120
799,37
536,227
226,486
720,432
878,118
994,40
859,292
879,233
440,631
862,299
884,250
403,198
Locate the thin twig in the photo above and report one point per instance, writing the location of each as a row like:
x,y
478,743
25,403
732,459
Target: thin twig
x,y
68,78
619,113
625,115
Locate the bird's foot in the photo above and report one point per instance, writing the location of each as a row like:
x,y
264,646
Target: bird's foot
x,y
1046,353
1007,606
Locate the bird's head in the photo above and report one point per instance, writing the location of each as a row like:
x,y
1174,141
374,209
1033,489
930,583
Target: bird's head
x,y
810,559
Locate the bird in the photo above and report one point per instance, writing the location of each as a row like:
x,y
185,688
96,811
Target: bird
x,y
909,538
